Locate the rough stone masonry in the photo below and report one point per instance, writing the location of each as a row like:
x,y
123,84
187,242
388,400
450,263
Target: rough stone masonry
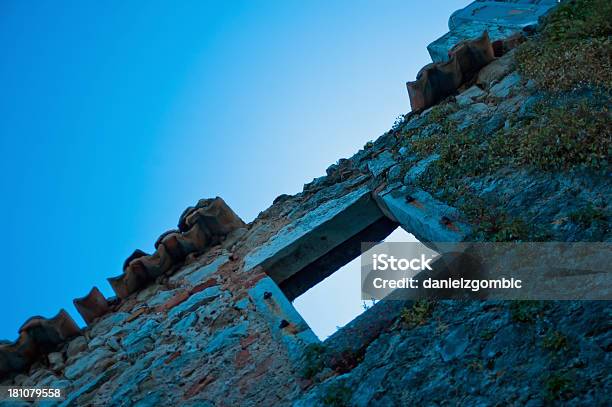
x,y
207,320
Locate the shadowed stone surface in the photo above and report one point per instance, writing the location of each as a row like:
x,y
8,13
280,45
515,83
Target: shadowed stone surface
x,y
424,216
215,326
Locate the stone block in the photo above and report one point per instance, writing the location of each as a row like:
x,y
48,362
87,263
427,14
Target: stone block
x,y
185,323
272,304
56,360
194,301
194,276
315,234
227,336
507,14
178,297
415,172
469,96
502,88
90,385
86,363
426,218
501,20
139,348
160,298
467,116
381,163
439,49
104,325
147,330
76,346
496,70
242,304
395,173
454,344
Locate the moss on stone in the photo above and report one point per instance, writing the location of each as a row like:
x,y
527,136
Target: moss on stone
x,y
573,47
526,311
418,314
487,334
337,395
573,135
438,115
441,111
555,341
588,215
564,133
558,386
313,360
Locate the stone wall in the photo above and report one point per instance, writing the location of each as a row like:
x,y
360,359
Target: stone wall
x,y
501,19
207,320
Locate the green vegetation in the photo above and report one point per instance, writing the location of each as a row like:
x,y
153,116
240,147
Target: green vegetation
x,y
558,137
526,311
337,394
440,112
313,360
587,215
560,133
399,122
487,334
504,230
463,155
573,47
555,341
558,385
475,365
418,313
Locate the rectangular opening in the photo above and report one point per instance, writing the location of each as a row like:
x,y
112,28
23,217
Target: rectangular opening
x,y
324,242
327,264
334,300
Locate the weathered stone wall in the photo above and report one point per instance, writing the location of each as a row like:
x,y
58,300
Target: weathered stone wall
x,y
206,319
501,19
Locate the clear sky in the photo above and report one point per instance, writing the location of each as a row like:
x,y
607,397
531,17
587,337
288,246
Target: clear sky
x,y
116,115
336,300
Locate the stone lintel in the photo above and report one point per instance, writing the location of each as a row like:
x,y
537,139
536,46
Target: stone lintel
x,y
309,238
428,219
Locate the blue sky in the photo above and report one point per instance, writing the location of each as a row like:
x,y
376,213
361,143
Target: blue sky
x,y
115,116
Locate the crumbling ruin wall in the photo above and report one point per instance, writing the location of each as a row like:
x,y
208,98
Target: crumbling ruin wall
x,y
207,318
478,33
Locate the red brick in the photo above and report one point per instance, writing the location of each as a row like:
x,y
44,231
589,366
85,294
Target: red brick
x,y
199,386
172,357
136,314
206,284
175,300
242,358
245,342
